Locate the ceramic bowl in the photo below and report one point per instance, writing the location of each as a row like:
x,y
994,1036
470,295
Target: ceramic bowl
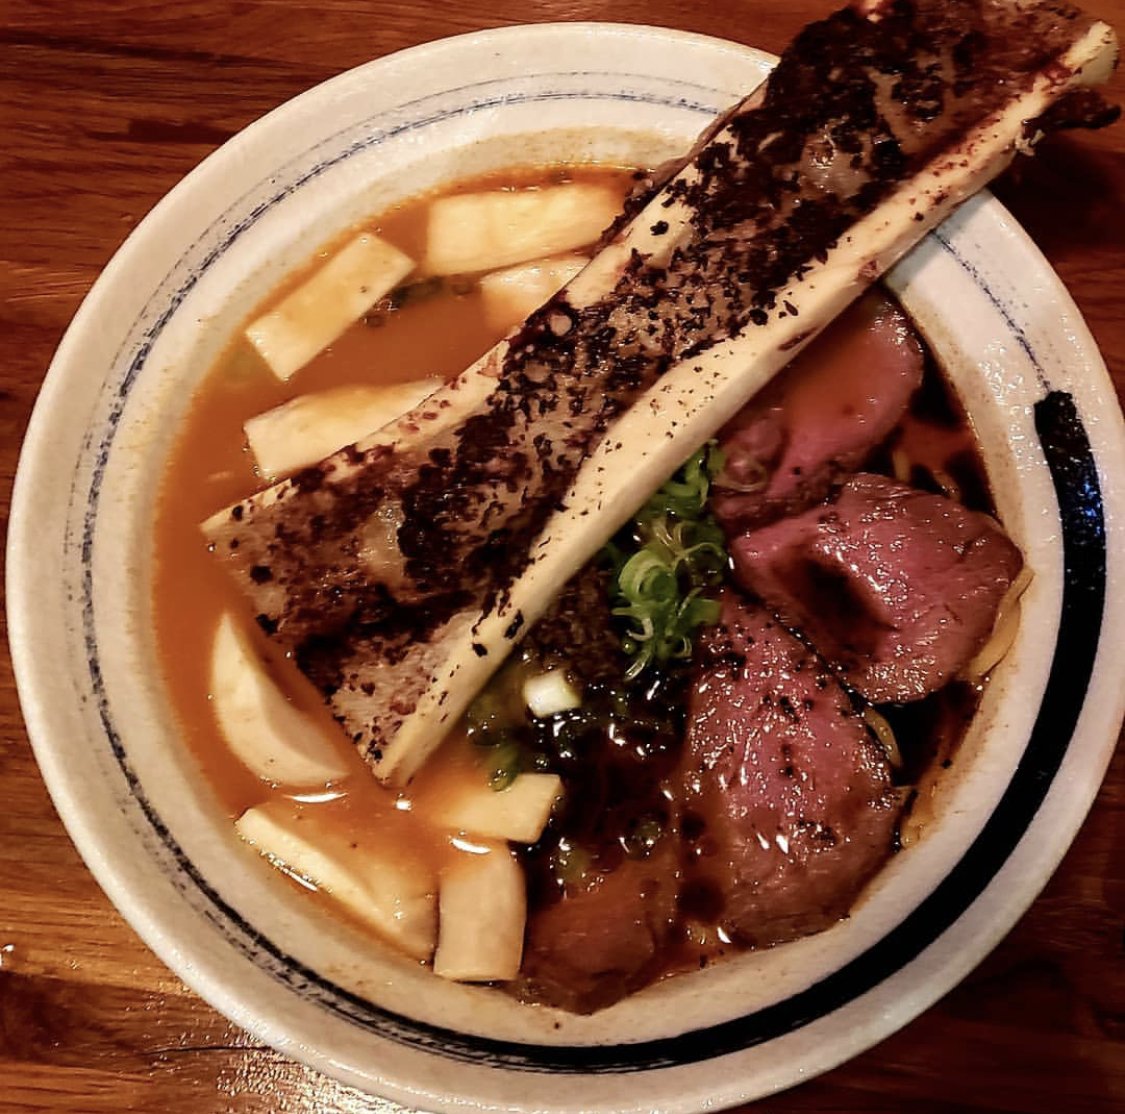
x,y
80,570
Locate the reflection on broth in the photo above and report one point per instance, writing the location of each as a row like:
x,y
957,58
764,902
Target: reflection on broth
x,y
663,771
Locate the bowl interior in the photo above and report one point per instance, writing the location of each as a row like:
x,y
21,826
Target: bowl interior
x,y
150,826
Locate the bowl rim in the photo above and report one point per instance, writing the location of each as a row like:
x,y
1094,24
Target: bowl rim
x,y
22,618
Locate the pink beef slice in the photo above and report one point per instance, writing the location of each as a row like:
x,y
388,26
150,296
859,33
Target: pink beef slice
x,y
605,937
821,418
896,588
790,807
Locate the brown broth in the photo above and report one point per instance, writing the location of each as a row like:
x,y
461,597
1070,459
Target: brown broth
x,y
211,466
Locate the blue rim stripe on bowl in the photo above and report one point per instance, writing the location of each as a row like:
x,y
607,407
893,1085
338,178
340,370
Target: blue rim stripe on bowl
x,y
1074,474
998,304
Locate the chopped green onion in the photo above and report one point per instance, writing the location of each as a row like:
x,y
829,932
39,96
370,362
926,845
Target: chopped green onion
x,y
661,589
647,833
507,764
570,863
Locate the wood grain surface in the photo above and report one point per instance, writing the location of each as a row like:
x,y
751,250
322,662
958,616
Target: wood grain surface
x,y
103,107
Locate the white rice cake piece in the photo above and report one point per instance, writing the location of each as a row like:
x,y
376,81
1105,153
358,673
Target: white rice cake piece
x,y
482,914
511,295
392,893
518,812
308,428
470,232
309,319
269,735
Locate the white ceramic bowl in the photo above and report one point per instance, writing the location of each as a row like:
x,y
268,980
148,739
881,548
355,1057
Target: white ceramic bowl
x,y
80,557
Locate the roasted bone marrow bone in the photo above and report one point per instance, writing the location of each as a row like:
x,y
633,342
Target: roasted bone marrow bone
x,y
399,572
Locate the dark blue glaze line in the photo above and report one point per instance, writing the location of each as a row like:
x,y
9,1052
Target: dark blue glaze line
x,y
1074,474
998,303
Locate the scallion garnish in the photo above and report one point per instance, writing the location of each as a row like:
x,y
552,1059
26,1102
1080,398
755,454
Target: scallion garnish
x,y
667,566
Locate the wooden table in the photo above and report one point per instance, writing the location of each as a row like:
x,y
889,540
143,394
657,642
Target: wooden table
x,y
103,107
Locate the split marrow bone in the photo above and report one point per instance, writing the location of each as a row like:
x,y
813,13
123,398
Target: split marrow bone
x,y
657,343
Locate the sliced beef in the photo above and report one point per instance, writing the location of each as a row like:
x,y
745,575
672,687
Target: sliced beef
x,y
821,418
896,588
603,939
789,798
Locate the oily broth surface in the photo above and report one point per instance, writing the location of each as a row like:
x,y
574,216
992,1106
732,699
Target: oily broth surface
x,y
211,466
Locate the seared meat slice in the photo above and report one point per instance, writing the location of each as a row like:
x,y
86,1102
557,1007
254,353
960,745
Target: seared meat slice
x,y
790,798
821,418
896,588
603,938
